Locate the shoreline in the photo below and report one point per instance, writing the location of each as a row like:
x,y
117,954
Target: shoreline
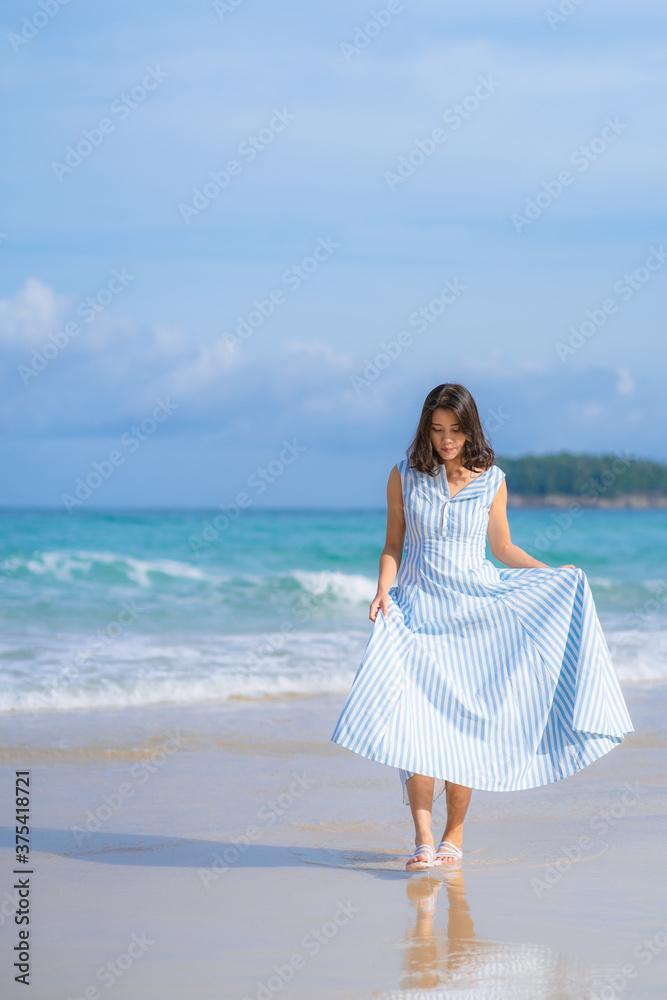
x,y
249,724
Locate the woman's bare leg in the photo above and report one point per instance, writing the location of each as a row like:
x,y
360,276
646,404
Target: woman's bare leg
x,y
420,795
458,800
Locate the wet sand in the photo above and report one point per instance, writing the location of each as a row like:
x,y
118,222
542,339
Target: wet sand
x,y
230,852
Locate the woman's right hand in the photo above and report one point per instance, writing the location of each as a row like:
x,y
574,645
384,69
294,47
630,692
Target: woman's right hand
x,y
381,600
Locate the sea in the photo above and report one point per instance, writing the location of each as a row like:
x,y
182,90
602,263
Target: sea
x,y
112,609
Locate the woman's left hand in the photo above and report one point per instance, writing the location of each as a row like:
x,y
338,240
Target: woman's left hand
x,y
567,566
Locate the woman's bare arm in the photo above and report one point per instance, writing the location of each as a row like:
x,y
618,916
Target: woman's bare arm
x,y
392,553
500,542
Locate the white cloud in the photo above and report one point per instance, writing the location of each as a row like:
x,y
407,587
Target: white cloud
x,y
28,316
208,366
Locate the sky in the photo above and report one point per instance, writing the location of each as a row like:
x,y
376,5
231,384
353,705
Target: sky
x,y
218,217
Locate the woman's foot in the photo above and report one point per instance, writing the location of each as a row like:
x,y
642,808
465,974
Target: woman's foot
x,y
422,858
449,850
447,853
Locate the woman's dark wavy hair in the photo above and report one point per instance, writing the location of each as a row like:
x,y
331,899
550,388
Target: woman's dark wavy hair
x,y
477,452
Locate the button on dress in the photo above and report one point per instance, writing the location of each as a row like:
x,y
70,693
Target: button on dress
x,y
498,679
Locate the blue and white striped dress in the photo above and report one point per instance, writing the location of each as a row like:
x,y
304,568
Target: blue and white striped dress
x,y
498,679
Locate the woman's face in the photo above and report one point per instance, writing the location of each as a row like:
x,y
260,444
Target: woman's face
x,y
446,437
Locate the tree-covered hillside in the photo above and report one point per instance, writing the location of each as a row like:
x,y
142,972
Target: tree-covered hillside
x,y
592,476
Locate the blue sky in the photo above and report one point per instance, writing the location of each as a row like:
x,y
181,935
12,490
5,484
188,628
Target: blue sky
x,y
311,236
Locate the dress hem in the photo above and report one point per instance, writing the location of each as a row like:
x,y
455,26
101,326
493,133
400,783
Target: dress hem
x,y
566,772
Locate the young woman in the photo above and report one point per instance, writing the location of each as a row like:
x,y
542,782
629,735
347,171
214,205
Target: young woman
x,y
473,677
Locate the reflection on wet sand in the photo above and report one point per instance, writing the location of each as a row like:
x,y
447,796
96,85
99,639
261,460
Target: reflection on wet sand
x,y
447,962
433,955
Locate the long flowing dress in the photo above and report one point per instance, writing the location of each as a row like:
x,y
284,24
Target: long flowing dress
x,y
498,679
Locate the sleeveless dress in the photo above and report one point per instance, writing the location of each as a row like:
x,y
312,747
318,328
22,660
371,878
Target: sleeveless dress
x,y
497,679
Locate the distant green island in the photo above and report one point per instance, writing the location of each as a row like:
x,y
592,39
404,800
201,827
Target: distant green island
x,y
612,480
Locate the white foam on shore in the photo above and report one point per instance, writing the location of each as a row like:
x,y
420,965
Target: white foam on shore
x,y
146,670
351,587
639,656
166,691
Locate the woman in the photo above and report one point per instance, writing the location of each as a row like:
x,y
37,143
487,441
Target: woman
x,y
473,677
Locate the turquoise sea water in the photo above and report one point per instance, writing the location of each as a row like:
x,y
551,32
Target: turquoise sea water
x,y
137,608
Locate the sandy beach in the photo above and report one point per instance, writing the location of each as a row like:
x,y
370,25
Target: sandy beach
x,y
233,852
